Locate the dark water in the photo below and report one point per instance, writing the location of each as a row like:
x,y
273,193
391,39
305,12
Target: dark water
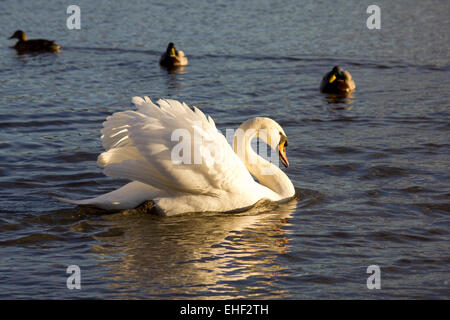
x,y
371,170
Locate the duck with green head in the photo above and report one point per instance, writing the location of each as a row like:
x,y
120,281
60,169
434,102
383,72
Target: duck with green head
x,y
33,45
337,80
173,58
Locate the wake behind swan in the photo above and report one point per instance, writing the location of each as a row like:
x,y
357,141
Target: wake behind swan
x,y
176,157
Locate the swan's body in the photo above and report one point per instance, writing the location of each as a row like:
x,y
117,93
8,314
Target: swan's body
x,y
173,58
144,146
34,45
337,81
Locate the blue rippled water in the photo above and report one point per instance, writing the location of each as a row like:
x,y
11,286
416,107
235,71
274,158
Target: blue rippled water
x,y
371,170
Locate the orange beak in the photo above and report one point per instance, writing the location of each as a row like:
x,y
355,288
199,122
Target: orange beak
x,y
282,153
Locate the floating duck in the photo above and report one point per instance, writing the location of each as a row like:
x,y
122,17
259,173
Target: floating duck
x,y
337,80
173,58
34,45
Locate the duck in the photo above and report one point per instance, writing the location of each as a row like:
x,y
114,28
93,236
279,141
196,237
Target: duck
x,y
337,80
33,45
176,157
173,58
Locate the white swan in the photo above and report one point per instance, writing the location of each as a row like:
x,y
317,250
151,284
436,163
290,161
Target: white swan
x,y
140,146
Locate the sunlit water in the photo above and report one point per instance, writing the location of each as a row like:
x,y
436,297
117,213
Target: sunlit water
x,y
371,170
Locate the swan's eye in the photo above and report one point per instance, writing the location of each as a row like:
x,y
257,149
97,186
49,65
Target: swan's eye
x,y
283,140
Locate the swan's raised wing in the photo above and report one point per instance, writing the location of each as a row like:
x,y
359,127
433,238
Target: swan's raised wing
x,y
145,146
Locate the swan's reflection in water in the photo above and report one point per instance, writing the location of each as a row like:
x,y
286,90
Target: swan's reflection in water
x,y
197,255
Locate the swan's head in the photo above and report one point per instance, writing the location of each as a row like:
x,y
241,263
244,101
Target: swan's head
x,y
338,80
267,130
19,34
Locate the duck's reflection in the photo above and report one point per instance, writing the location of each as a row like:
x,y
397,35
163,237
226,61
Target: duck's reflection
x,y
340,101
175,77
178,70
196,255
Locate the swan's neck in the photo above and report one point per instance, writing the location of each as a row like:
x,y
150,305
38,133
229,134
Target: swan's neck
x,y
268,174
